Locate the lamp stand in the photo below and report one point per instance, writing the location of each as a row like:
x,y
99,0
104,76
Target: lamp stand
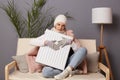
x,y
102,49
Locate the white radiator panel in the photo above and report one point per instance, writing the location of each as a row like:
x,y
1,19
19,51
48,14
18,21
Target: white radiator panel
x,y
53,58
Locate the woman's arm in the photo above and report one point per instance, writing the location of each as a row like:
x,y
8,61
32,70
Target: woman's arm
x,y
33,51
39,41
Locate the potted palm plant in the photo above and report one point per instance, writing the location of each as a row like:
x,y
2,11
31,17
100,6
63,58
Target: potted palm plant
x,y
36,21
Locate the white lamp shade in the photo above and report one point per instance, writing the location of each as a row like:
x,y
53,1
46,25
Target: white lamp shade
x,y
102,15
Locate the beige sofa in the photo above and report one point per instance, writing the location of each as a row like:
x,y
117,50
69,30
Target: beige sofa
x,y
23,47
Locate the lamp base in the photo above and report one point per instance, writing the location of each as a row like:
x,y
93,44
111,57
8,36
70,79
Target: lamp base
x,y
102,49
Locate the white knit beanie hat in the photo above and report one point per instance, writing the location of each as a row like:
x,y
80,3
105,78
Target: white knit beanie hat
x,y
60,18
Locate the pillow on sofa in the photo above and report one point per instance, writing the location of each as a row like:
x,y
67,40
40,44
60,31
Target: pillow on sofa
x,y
32,65
21,63
92,60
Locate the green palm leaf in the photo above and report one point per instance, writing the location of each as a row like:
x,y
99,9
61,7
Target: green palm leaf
x,y
38,18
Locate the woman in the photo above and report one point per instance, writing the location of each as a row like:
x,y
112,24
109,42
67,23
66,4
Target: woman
x,y
73,61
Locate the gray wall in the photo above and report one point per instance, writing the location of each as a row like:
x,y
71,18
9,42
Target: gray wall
x,y
82,26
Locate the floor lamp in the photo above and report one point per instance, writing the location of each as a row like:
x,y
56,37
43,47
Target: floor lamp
x,y
102,15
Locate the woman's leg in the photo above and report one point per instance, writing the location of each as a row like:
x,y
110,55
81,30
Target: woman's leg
x,y
73,62
77,57
49,72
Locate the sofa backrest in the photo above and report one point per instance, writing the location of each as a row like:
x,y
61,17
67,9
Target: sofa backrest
x,y
92,57
23,45
90,44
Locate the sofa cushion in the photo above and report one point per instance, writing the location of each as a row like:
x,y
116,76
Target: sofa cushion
x,y
21,63
17,75
92,60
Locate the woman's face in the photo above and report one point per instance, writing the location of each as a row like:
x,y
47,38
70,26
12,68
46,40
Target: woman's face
x,y
60,26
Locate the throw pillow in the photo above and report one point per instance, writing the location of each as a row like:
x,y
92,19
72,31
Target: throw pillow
x,y
32,65
21,63
92,60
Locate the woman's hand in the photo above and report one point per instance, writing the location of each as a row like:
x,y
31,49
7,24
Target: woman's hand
x,y
64,42
51,44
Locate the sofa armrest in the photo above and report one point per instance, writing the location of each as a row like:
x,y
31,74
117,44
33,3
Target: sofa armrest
x,y
105,69
8,67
